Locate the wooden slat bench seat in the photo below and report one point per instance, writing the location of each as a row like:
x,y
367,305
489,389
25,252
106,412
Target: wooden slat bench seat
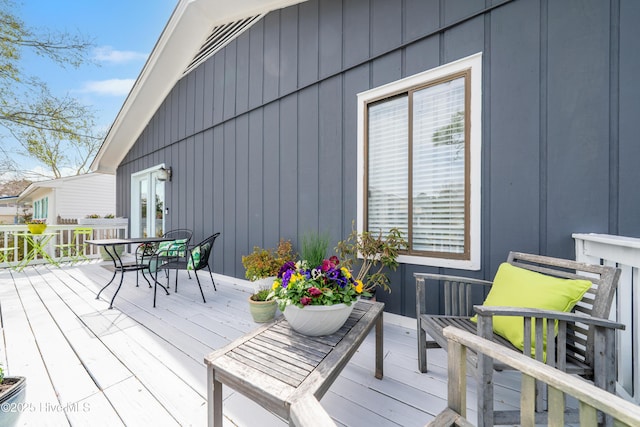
x,y
286,372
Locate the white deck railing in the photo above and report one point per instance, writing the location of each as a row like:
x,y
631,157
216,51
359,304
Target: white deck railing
x,y
14,247
623,252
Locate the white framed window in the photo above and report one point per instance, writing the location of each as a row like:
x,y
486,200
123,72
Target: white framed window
x,y
419,160
41,208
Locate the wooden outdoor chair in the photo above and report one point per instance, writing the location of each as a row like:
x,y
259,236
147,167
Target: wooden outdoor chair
x,y
585,341
196,258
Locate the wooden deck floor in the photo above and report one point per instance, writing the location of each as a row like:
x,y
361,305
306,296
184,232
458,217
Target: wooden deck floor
x,y
139,366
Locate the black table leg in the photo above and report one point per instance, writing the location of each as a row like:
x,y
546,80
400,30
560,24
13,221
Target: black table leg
x,y
115,270
116,260
155,287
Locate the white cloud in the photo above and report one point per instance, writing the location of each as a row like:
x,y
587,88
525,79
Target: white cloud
x,y
111,87
109,54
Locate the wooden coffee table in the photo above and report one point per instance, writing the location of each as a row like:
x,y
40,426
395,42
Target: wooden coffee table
x,y
278,367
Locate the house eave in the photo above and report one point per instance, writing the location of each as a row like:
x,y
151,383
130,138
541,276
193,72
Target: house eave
x,y
189,25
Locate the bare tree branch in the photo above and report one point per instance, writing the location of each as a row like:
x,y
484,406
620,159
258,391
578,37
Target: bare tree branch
x,y
58,132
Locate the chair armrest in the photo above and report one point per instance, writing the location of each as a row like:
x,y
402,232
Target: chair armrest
x,y
597,352
483,310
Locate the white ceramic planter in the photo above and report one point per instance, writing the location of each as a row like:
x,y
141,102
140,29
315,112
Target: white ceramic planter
x,y
317,320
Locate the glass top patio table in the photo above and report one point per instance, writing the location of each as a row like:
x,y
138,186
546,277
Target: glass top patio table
x,y
36,244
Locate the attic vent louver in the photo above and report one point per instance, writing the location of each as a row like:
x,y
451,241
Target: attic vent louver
x,y
220,36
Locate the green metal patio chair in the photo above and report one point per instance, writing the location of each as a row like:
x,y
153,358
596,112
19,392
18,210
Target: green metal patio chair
x,y
77,248
197,258
4,255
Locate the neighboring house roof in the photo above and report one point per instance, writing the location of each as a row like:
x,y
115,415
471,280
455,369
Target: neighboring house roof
x,y
25,196
189,37
8,200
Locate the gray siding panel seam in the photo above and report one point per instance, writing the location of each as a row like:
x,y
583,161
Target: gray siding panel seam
x,y
614,116
544,48
485,167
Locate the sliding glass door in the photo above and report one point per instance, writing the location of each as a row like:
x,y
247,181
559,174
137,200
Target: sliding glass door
x,y
147,203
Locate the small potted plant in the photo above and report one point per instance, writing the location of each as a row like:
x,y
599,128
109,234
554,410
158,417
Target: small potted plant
x,y
376,251
261,267
262,308
37,226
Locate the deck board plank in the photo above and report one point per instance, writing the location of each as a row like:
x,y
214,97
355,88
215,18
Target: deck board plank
x,y
101,409
137,406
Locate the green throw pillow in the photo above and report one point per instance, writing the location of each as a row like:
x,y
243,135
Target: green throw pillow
x,y
519,287
177,247
194,259
163,248
172,248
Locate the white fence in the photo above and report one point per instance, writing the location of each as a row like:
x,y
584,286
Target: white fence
x,y
14,248
622,252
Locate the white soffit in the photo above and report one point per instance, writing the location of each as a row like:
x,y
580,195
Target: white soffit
x,y
196,30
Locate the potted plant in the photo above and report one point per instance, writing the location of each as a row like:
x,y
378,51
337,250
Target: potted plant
x,y
261,267
262,308
12,393
375,251
36,226
316,297
316,300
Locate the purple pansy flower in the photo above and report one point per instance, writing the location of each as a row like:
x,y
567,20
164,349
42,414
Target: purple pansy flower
x,y
286,277
287,266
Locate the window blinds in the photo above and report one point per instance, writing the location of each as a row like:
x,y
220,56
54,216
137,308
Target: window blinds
x,y
439,168
388,157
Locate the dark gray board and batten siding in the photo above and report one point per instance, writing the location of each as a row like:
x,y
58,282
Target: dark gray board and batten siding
x,y
262,136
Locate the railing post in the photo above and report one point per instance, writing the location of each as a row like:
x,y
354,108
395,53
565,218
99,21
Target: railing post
x,y
457,377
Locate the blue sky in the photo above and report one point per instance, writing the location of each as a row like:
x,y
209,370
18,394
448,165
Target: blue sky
x,y
123,32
